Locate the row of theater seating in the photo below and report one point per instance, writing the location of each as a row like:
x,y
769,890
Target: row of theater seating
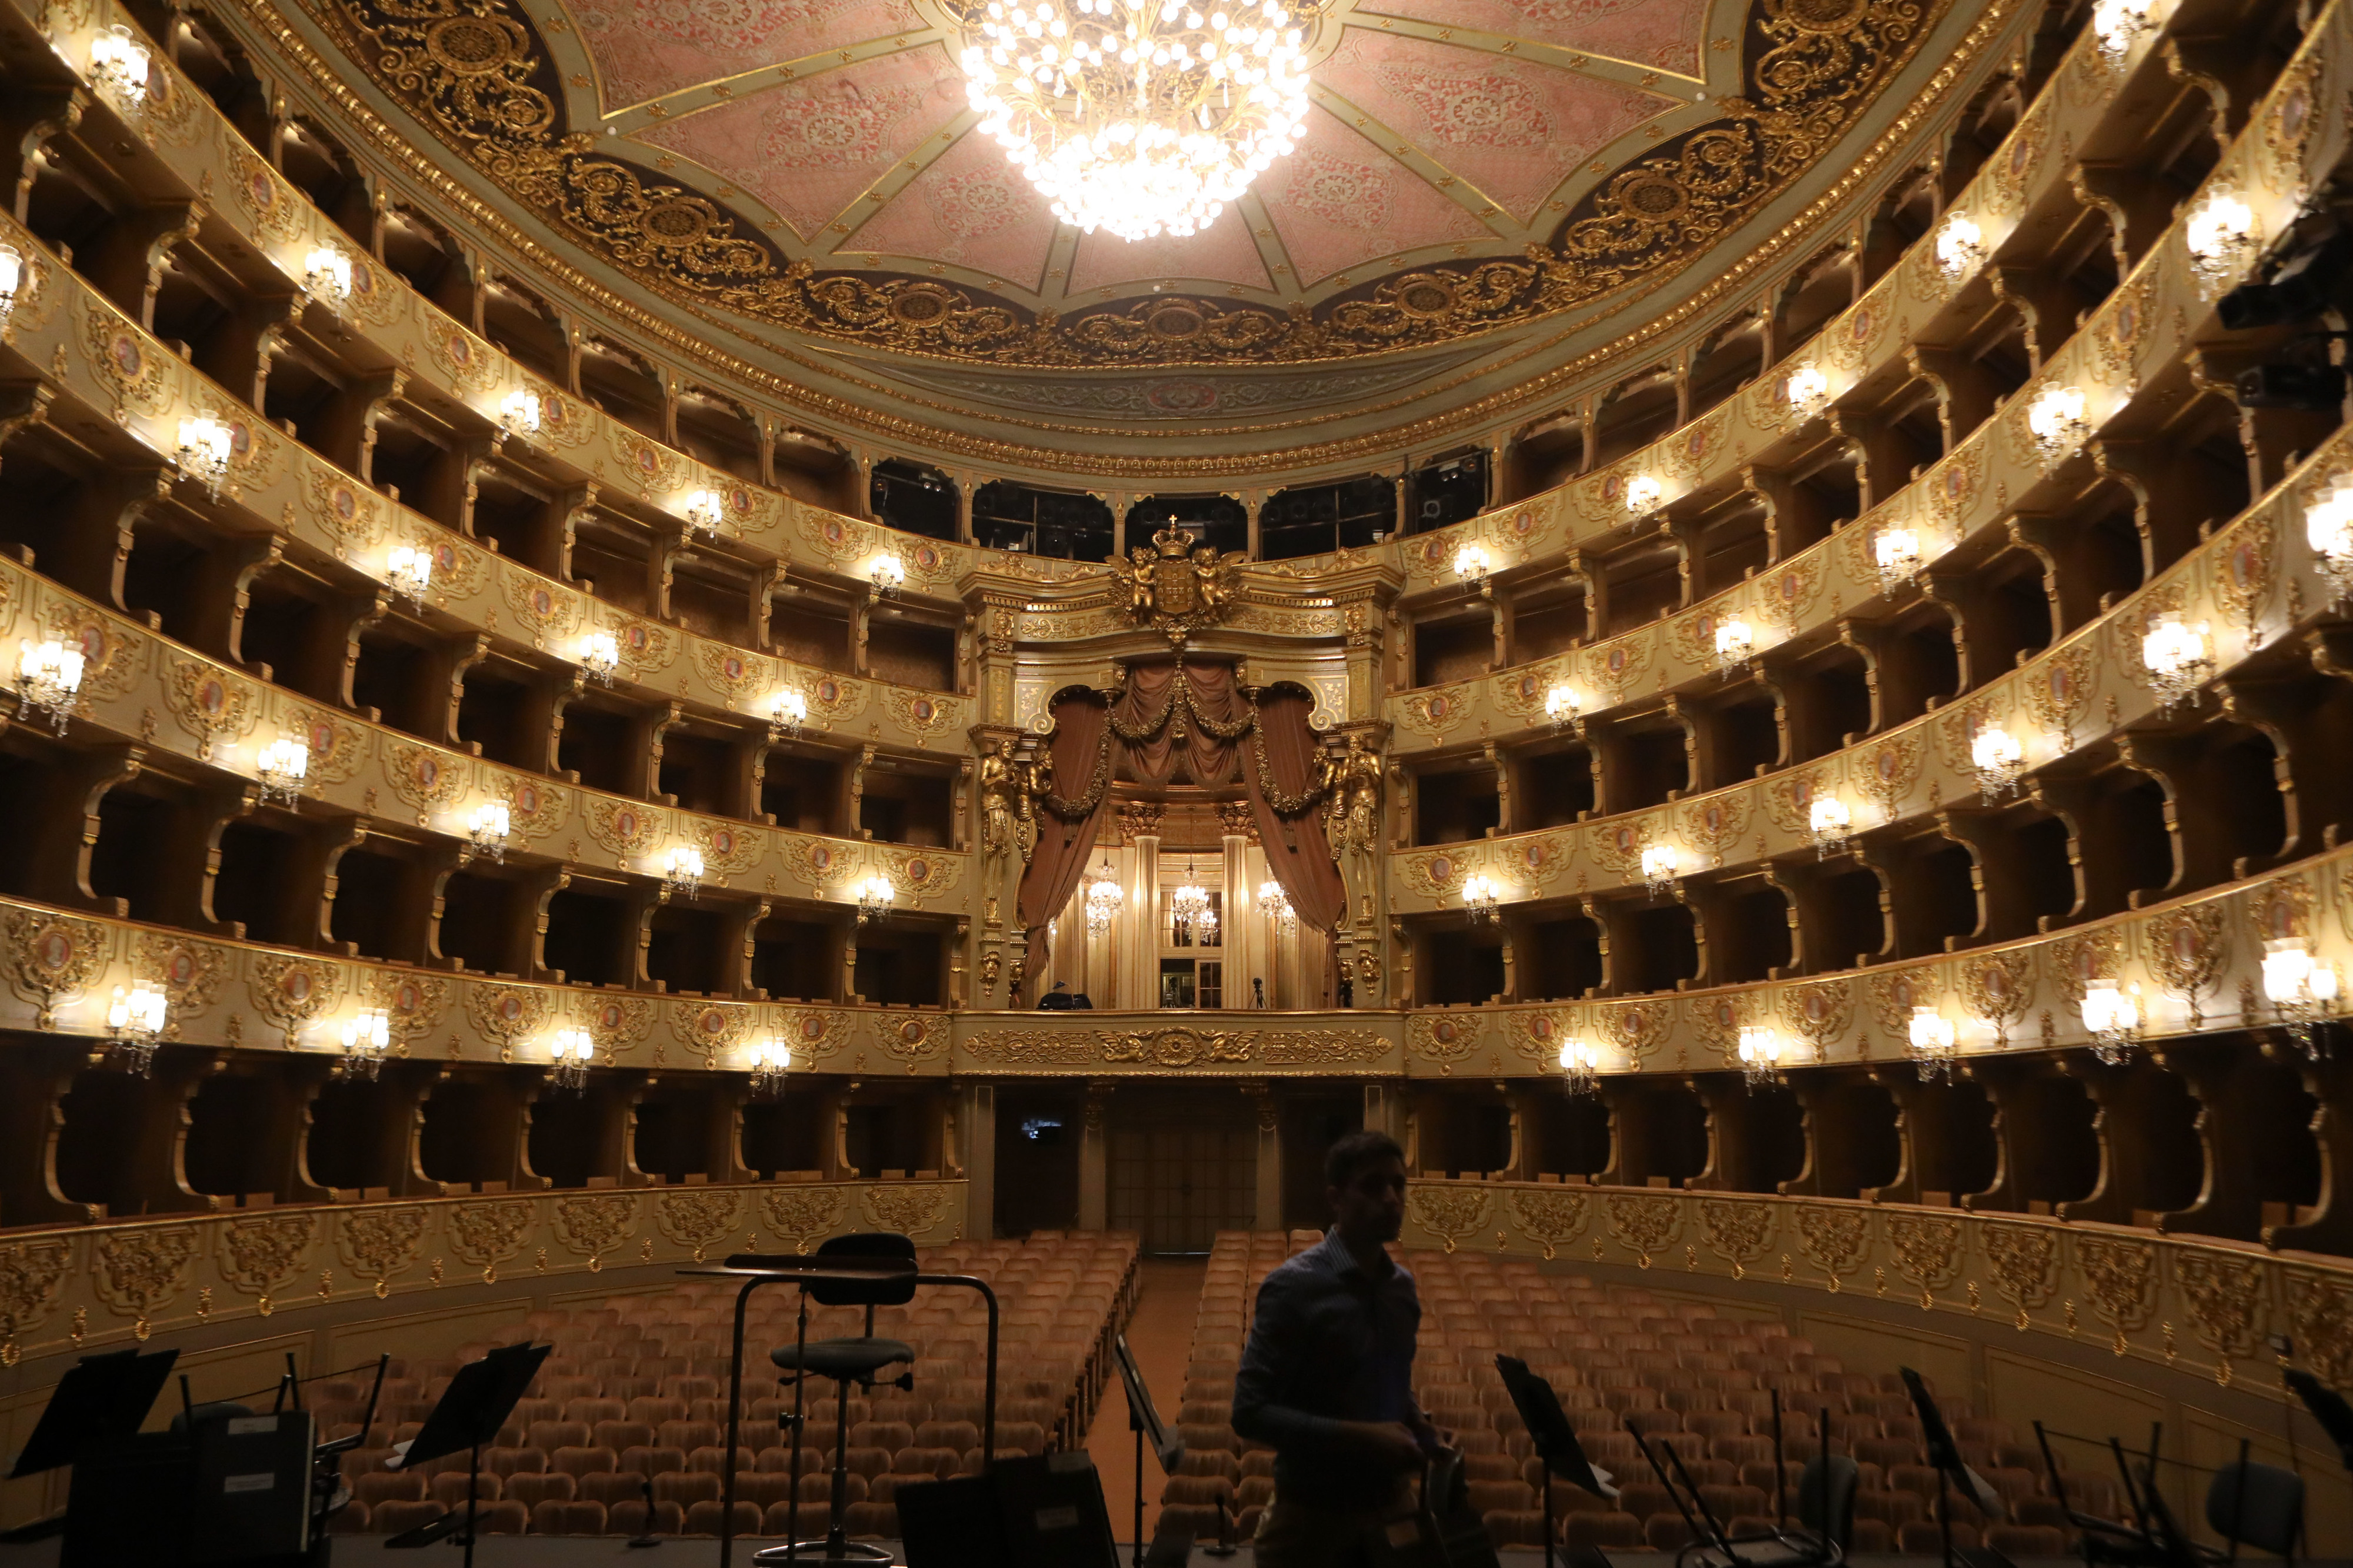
x,y
624,1430
1620,1357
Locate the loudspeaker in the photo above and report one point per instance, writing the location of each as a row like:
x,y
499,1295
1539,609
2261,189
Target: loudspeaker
x,y
952,1524
1041,1512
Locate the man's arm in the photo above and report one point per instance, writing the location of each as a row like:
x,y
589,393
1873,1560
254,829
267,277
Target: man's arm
x,y
1261,1415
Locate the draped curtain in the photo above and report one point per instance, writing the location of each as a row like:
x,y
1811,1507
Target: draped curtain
x,y
1206,723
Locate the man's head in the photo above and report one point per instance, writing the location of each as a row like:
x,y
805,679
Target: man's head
x,y
1364,1180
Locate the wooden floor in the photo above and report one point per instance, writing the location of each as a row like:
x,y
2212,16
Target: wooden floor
x,y
1161,1335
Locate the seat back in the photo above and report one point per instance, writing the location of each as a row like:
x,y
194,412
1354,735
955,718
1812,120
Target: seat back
x,y
2260,1505
1825,1500
889,1291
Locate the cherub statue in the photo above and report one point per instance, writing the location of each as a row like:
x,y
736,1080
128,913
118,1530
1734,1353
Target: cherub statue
x,y
1137,578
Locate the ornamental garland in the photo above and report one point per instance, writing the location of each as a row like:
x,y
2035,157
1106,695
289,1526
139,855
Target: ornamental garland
x,y
1180,701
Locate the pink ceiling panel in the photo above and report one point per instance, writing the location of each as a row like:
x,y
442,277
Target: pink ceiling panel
x,y
809,148
1663,33
1222,253
969,207
644,49
1514,129
1339,201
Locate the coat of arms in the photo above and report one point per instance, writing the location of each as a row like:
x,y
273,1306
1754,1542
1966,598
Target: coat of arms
x,y
1176,587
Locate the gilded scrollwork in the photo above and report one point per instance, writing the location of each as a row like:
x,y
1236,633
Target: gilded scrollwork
x,y
1550,1219
1450,1213
911,1210
802,1214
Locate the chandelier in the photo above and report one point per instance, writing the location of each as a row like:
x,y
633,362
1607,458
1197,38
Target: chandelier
x,y
1143,117
1102,898
1275,905
1190,906
1759,1050
770,1060
1580,1067
367,1040
1934,1042
568,1056
135,1022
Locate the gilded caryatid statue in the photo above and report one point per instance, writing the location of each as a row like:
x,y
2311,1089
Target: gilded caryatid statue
x,y
1033,782
1352,800
1001,789
1176,588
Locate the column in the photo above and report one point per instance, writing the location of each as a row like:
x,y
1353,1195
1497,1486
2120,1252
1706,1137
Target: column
x,y
1260,940
976,1143
1140,924
1269,1157
1094,1160
1102,968
1242,931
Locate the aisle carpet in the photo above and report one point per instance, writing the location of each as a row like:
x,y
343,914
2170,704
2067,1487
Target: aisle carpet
x,y
1161,1335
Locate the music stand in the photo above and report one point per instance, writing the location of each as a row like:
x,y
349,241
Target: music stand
x,y
1143,1420
1553,1438
2328,1408
1944,1455
479,1398
101,1399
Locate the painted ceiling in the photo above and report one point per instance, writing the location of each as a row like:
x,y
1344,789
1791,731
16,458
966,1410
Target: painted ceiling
x,y
810,167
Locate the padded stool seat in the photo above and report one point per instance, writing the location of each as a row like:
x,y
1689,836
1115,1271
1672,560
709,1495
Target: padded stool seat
x,y
843,1359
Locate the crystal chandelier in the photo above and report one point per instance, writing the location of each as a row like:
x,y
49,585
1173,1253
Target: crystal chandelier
x,y
874,897
2178,656
1143,117
1471,564
205,447
1275,905
571,1053
1831,823
1580,1067
770,1060
600,655
282,765
327,274
1760,1055
1895,551
888,573
1103,900
1997,758
1566,709
2056,421
1961,246
11,280
519,414
1735,643
1480,898
683,871
2301,989
1644,495
120,65
367,1040
490,827
1933,1041
1659,861
1810,392
408,571
2328,529
134,1024
787,711
48,677
702,512
1190,906
2119,22
2223,238
2112,1017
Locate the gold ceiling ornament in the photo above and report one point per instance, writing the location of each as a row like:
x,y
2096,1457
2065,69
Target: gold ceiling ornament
x,y
473,70
1175,587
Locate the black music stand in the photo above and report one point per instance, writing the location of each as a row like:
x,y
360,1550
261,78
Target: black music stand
x,y
1143,1420
1944,1455
1553,1438
757,1269
479,1398
101,1399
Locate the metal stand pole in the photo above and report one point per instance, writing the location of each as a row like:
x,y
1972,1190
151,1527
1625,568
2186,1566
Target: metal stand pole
x,y
1136,1424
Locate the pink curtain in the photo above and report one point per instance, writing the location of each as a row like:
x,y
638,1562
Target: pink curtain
x,y
1296,851
1060,860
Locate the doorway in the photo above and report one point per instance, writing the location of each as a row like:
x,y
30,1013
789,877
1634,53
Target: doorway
x,y
1184,1169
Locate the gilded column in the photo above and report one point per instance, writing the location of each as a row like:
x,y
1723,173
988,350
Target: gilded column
x,y
1139,970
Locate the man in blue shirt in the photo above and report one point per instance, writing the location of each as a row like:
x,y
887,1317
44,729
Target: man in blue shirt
x,y
1327,1377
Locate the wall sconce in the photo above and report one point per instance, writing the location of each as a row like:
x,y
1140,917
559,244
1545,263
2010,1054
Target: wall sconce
x,y
888,573
1273,902
787,711
1644,495
702,512
1735,643
770,1060
2302,991
49,678
134,1026
1961,246
2328,529
1580,1067
1934,1044
119,64
11,280
1760,1055
1999,760
205,447
487,829
1810,392
2223,237
683,871
367,1039
519,414
2056,421
1831,823
281,766
1895,552
1471,565
874,897
1104,898
2112,1017
570,1053
408,571
2179,657
327,274
2119,22
600,656
1481,897
1566,709
1658,863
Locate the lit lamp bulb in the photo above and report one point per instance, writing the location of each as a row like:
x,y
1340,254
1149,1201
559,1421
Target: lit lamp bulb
x,y
2221,237
2328,529
205,447
1934,1042
2056,421
1480,900
367,1040
787,711
1760,1054
683,870
875,895
1961,246
11,280
327,274
2112,1017
1810,392
2302,991
49,678
1580,1067
119,63
2179,657
2119,22
408,570
1659,862
1471,564
1735,641
1565,708
702,511
519,414
600,655
135,1024
770,1060
1999,759
888,573
282,765
1643,494
570,1053
1831,823
488,828
1896,552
